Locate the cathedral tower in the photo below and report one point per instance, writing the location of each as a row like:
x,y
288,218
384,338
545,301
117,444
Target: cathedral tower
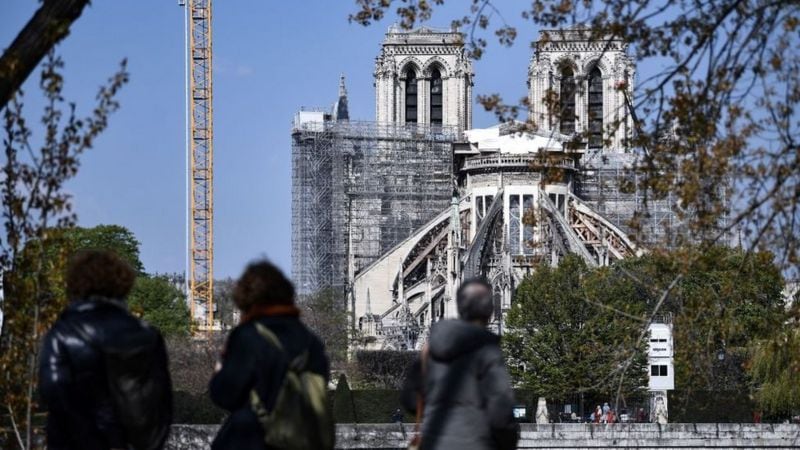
x,y
422,76
588,79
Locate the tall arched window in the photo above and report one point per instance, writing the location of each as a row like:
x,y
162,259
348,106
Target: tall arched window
x,y
436,97
411,96
595,113
567,101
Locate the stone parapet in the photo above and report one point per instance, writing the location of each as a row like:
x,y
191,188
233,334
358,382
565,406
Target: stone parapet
x,y
556,436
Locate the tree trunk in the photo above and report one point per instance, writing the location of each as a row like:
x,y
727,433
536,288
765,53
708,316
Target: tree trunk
x,y
47,27
31,378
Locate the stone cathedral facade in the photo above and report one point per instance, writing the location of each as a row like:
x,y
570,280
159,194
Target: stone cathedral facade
x,y
494,180
423,76
599,73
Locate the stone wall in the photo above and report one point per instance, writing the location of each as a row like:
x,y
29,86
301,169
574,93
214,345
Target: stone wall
x,y
557,436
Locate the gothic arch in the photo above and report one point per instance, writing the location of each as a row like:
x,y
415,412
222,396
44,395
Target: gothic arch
x,y
410,62
565,61
436,62
596,60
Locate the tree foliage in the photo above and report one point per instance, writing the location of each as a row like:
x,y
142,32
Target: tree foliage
x,y
157,301
775,368
724,300
34,204
572,329
323,312
114,238
155,298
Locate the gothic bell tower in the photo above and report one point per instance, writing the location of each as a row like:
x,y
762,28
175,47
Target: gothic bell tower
x,y
589,79
423,76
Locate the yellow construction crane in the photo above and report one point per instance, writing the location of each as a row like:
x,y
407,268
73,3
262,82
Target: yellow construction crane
x,y
200,162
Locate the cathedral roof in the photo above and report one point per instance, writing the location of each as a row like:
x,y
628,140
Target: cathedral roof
x,y
423,35
497,139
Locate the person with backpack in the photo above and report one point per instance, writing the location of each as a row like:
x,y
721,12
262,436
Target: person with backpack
x,y
103,374
459,387
273,374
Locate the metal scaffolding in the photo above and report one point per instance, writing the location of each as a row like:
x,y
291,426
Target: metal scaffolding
x,y
359,189
609,183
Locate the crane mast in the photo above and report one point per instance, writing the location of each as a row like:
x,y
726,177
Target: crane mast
x,y
200,163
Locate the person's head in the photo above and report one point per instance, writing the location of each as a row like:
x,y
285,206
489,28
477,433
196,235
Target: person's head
x,y
262,283
98,273
474,301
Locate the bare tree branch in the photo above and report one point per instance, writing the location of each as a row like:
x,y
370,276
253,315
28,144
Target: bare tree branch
x,y
49,25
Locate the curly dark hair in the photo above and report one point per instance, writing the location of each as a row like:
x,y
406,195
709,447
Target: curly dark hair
x,y
262,283
98,273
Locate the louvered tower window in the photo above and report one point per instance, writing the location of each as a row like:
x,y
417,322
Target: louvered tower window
x,y
595,108
567,100
436,97
411,96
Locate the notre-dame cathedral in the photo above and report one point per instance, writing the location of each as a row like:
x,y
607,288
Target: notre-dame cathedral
x,y
390,215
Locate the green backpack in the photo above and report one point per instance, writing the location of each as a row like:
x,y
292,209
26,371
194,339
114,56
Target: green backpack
x,y
300,419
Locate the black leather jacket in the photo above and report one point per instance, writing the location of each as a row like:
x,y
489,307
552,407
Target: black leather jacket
x,y
72,376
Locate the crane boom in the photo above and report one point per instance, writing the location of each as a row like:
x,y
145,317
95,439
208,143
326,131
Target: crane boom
x,y
201,164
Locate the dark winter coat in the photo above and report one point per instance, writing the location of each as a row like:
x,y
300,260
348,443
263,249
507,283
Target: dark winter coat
x,y
72,377
251,362
468,402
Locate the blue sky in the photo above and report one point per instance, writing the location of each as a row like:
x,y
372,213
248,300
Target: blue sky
x,y
270,58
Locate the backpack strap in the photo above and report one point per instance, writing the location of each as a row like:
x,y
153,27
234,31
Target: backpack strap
x,y
299,363
267,334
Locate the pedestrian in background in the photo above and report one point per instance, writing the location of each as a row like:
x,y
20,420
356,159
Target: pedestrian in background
x,y
103,374
397,417
641,416
460,388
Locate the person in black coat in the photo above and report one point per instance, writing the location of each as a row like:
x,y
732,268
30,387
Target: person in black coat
x,y
467,401
73,372
251,363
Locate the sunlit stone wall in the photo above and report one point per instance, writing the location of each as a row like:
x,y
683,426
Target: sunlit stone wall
x,y
557,436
